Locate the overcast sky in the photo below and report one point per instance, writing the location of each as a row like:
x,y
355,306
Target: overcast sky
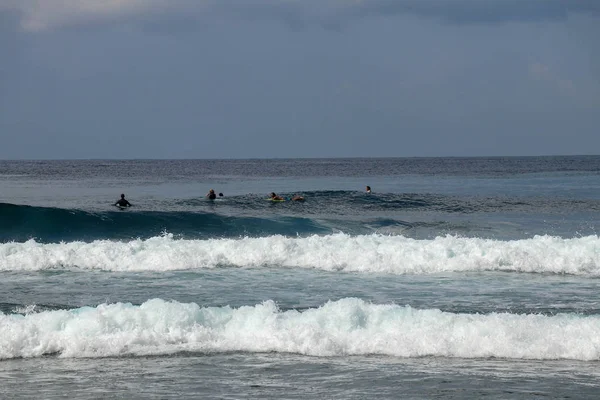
x,y
298,78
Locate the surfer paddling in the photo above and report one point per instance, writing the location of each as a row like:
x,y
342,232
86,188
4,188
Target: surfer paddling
x,y
273,197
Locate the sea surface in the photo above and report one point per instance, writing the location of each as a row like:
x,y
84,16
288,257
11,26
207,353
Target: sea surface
x,y
456,278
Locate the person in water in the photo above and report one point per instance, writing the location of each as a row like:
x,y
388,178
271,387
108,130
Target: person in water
x,y
273,196
122,202
211,194
297,198
220,194
368,189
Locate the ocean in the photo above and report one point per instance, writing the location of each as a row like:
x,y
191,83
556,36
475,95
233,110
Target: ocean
x,y
454,278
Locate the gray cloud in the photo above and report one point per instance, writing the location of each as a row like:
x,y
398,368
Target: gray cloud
x,y
236,82
40,15
477,11
10,47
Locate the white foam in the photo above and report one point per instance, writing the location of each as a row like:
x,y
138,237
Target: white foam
x,y
365,253
345,327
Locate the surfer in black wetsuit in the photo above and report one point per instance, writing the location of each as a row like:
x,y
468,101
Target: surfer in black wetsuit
x,y
211,194
122,202
368,189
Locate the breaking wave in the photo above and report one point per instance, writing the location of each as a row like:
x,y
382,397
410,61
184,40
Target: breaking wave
x,y
373,253
345,327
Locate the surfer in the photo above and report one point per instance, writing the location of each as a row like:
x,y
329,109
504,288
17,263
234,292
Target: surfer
x,y
220,194
211,194
274,197
122,202
297,198
369,189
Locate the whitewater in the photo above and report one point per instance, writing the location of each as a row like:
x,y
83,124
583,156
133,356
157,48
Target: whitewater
x,y
339,252
341,328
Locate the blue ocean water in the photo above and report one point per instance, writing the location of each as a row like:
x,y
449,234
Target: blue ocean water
x,y
456,277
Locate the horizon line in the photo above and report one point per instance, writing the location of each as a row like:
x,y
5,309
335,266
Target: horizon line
x,y
294,158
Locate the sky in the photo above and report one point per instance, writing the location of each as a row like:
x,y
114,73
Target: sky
x,y
117,79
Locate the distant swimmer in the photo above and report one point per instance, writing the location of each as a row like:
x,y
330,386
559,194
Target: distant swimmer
x,y
368,189
211,194
274,197
220,194
122,202
297,198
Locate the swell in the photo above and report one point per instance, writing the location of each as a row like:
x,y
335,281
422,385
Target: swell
x,y
46,224
345,327
373,253
348,202
250,215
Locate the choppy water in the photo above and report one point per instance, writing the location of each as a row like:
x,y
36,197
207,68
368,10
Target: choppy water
x,y
454,278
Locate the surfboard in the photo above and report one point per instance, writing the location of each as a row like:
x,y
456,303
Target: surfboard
x,y
275,200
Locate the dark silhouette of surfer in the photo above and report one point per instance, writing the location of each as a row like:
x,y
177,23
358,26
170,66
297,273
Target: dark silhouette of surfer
x,y
122,202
